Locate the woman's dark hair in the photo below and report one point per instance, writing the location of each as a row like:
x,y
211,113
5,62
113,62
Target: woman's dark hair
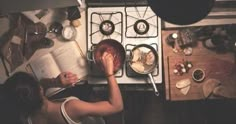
x,y
23,93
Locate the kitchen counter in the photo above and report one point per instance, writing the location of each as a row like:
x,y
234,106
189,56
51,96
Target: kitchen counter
x,y
216,66
80,39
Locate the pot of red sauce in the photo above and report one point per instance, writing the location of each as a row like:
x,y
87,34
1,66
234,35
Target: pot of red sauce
x,y
111,46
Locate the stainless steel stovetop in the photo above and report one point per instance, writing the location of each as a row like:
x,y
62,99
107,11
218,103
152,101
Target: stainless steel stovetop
x,y
131,25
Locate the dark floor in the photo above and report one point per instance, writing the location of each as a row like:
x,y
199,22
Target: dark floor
x,y
145,108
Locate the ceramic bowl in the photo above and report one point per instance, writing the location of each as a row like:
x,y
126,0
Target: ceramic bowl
x,y
69,33
198,75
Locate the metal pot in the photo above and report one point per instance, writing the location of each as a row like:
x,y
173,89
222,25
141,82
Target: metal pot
x,y
139,56
108,45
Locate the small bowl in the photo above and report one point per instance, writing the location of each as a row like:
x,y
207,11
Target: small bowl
x,y
69,33
198,75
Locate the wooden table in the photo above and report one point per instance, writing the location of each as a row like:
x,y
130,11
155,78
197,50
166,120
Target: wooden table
x,y
215,65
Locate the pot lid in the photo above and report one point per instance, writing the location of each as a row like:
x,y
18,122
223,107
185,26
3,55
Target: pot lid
x,y
181,12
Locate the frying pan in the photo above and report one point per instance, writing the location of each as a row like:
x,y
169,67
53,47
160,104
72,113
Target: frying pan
x,y
148,69
108,45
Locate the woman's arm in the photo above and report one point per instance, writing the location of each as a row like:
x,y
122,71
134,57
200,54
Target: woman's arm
x,y
115,98
62,80
78,108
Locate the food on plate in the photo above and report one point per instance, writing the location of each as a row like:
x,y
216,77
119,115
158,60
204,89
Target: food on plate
x,y
150,58
137,54
183,83
138,66
209,86
185,90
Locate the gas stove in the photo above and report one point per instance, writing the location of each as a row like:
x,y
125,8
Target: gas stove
x,y
131,26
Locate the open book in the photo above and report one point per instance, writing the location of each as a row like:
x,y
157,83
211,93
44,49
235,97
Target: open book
x,y
67,57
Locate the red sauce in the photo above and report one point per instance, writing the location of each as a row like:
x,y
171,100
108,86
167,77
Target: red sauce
x,y
110,49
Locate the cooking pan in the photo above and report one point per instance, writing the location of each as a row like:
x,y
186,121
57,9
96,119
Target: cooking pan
x,y
144,60
111,46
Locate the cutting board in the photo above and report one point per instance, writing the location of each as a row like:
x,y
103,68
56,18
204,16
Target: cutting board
x,y
221,67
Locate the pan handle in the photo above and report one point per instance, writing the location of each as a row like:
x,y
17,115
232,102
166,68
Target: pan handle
x,y
90,56
128,55
153,84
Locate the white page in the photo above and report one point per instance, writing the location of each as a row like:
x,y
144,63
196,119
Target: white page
x,y
68,58
45,67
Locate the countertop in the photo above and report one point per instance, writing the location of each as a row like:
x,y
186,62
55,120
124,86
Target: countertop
x,y
216,66
80,39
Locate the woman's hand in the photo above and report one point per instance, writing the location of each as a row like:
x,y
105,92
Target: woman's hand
x,y
107,61
67,79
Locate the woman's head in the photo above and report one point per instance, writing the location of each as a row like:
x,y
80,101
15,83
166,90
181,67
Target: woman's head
x,y
23,93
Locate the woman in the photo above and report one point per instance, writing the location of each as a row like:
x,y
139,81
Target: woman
x,y
26,97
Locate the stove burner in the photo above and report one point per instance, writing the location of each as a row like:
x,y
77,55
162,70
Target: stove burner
x,y
107,27
141,22
141,27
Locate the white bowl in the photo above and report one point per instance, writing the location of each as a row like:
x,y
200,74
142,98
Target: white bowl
x,y
69,32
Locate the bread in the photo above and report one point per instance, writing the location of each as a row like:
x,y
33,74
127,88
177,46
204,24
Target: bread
x,y
185,90
76,23
150,58
225,91
183,83
209,86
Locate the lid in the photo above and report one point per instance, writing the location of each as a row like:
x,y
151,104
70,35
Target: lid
x,y
181,12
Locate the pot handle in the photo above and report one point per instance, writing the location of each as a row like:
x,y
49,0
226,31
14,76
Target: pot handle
x,y
128,55
153,84
90,56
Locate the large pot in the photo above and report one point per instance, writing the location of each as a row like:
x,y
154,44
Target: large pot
x,y
144,60
108,45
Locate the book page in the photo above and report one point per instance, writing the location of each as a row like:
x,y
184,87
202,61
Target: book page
x,y
69,58
45,67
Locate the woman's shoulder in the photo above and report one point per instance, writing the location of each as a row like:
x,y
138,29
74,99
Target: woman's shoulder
x,y
65,99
